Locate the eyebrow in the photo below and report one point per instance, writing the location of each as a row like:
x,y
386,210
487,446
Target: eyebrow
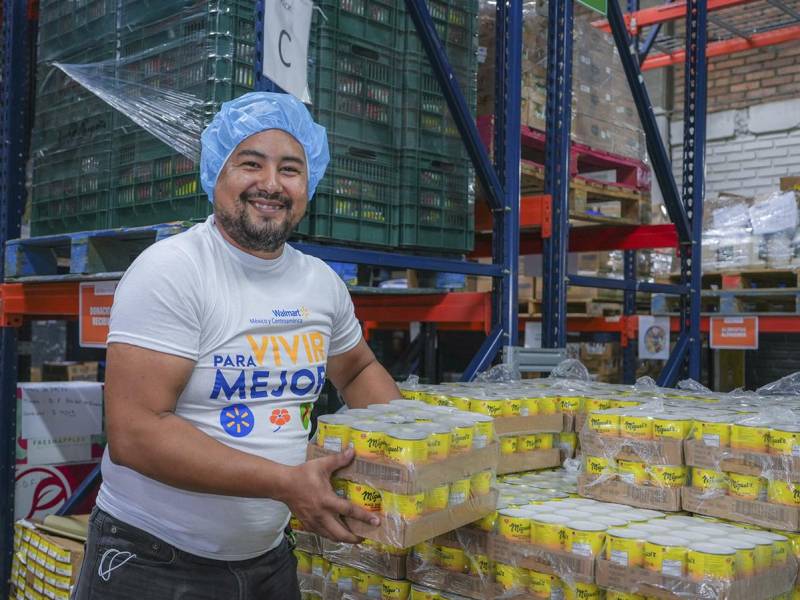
x,y
262,156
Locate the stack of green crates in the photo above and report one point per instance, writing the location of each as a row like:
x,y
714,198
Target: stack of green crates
x,y
399,174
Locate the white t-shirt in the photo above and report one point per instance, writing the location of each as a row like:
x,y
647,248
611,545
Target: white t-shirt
x,y
260,332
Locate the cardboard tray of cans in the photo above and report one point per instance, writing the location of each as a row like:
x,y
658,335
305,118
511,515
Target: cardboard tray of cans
x,y
528,461
742,510
402,479
653,452
404,533
475,541
538,558
611,489
366,558
554,423
773,583
461,584
741,461
308,542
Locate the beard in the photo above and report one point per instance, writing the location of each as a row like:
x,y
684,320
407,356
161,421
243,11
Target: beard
x,y
268,235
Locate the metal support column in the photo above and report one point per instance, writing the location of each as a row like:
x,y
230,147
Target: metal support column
x,y
629,349
557,158
694,147
19,36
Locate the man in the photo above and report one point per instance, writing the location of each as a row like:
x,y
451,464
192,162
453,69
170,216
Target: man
x,y
220,341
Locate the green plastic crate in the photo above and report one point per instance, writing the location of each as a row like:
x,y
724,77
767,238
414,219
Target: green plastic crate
x,y
376,21
356,87
357,199
437,202
456,22
67,26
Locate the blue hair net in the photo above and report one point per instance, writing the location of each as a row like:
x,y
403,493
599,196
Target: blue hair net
x,y
253,113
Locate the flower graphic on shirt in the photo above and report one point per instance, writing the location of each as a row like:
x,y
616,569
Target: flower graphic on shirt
x,y
237,420
279,417
305,414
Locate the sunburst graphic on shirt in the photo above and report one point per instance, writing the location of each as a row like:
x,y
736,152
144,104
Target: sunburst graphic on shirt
x,y
237,420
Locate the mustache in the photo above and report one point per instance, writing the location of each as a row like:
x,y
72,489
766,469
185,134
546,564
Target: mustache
x,y
283,198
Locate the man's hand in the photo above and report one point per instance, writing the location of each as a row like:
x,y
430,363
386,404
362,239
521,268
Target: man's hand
x,y
310,497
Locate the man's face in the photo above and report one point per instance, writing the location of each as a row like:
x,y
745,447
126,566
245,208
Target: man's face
x,y
262,192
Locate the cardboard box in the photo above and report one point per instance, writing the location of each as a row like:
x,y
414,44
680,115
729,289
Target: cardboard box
x,y
468,586
391,476
69,371
308,542
755,512
528,461
366,558
554,562
611,489
653,452
771,584
738,461
533,424
403,533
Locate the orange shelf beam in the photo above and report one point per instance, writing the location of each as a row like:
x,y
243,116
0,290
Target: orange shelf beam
x,y
41,300
725,47
662,14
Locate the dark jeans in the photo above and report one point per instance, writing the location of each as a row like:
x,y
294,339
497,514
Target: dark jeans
x,y
126,563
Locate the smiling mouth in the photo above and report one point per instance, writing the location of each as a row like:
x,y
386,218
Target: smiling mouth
x,y
268,207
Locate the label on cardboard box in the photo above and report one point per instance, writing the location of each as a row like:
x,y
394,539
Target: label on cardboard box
x,y
528,461
367,558
532,424
468,586
529,556
610,489
653,452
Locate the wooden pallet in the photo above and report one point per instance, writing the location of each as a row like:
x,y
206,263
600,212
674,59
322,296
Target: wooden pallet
x,y
593,201
575,308
84,253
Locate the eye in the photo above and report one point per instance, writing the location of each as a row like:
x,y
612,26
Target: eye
x,y
292,170
251,164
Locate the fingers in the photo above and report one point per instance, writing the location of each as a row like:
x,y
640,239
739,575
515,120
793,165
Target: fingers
x,y
353,511
333,529
337,461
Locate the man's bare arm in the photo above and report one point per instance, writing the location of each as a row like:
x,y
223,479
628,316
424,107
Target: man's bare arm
x,y
360,378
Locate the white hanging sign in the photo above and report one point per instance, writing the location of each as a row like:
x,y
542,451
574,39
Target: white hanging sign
x,y
287,26
653,337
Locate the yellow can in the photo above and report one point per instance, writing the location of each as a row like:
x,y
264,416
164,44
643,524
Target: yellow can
x,y
342,576
333,432
583,591
526,443
783,492
369,584
570,404
749,437
785,440
547,405
633,472
394,589
437,498
509,576
480,484
461,402
368,439
781,547
319,566
763,554
487,523
625,546
666,555
426,553
618,595
438,441
671,476
543,585
462,435
594,404
585,538
671,428
636,427
794,540
514,524
406,506
713,431
604,423
544,441
459,492
508,445
750,487
568,439
303,561
530,406
598,465
363,495
419,592
707,479
711,561
745,556
483,434
512,407
484,406
339,487
452,559
550,531
480,565
407,446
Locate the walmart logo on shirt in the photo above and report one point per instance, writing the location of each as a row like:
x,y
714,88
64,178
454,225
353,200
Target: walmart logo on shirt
x,y
283,316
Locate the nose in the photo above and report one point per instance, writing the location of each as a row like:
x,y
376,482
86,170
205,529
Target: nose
x,y
270,181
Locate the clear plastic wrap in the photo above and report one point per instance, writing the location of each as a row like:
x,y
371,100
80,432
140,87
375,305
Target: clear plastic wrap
x,y
604,114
